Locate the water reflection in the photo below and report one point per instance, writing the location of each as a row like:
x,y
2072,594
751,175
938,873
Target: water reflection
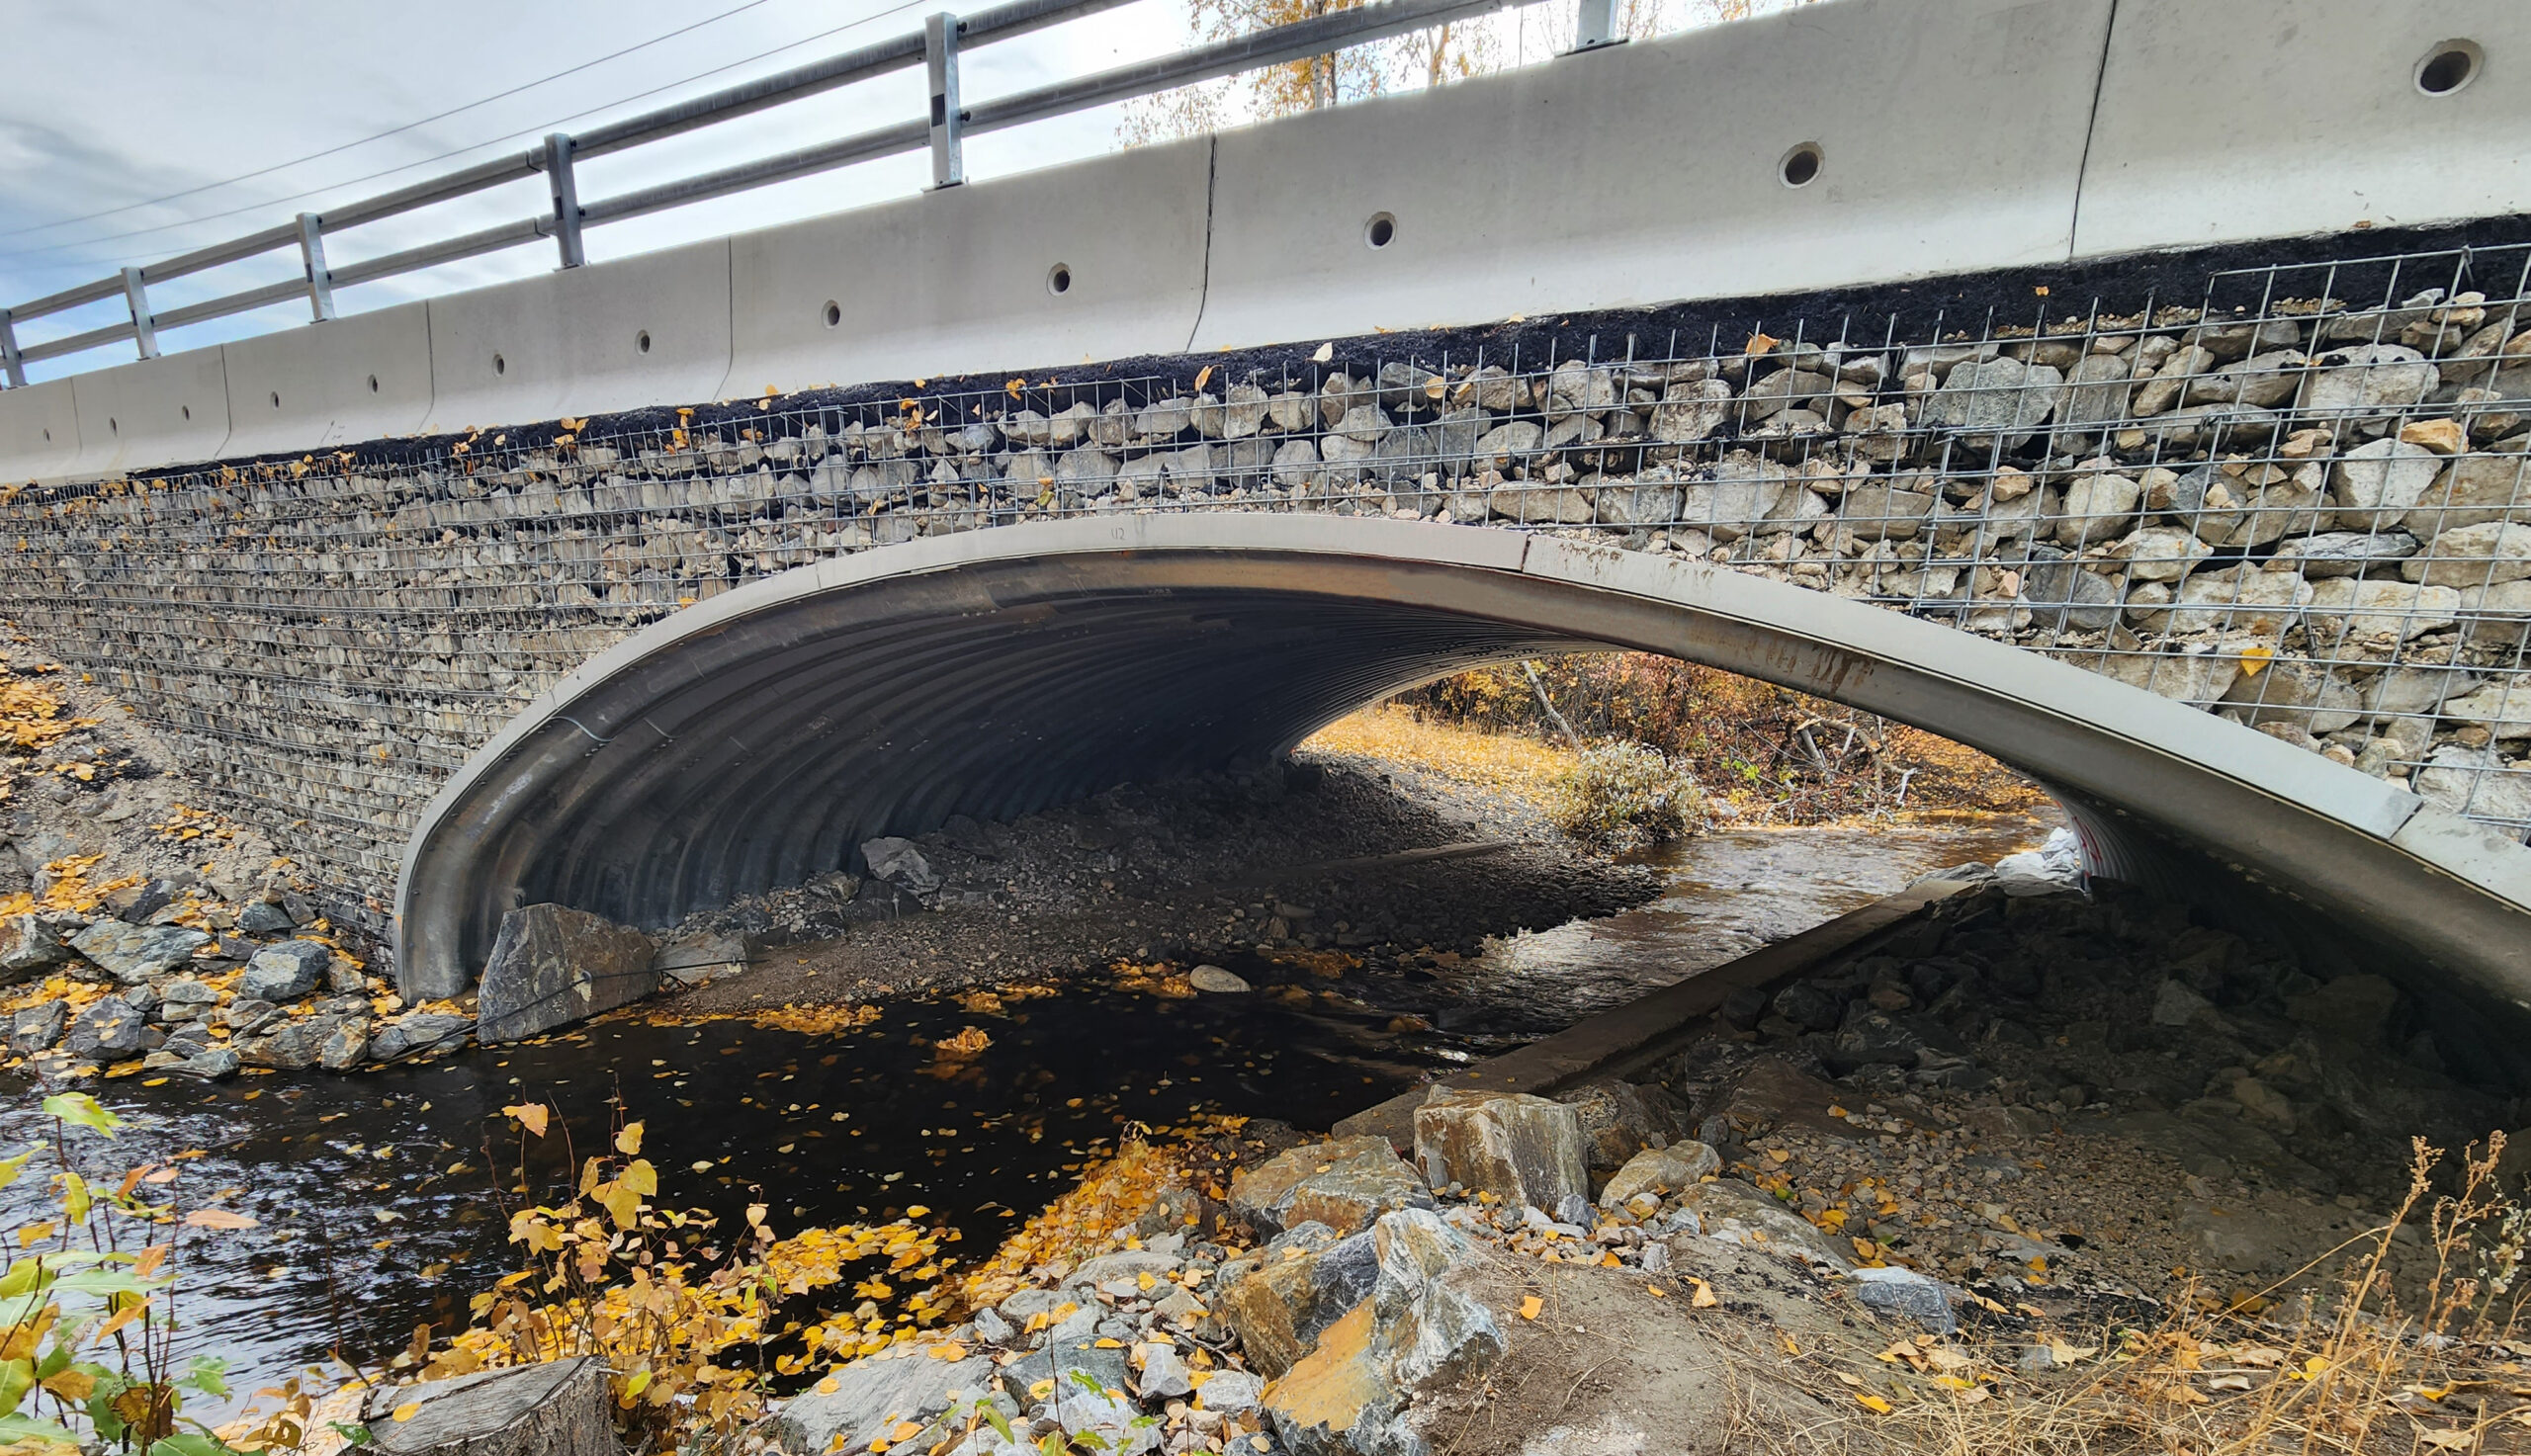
x,y
378,1208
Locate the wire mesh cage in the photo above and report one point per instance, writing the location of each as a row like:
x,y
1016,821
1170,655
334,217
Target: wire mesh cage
x,y
2293,500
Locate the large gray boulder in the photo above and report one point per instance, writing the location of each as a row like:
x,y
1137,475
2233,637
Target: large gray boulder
x,y
33,943
132,954
419,1034
552,964
872,1396
1525,1149
1345,1184
38,1027
285,971
554,1410
111,1030
897,862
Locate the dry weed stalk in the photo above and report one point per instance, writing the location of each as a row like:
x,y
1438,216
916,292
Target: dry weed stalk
x,y
2359,1370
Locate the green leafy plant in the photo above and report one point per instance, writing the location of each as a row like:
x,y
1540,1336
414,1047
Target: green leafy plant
x,y
1625,794
87,1324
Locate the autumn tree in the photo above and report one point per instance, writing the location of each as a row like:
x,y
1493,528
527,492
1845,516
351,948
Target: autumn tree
x,y
1444,53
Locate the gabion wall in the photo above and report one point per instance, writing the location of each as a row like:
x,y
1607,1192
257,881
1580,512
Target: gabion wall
x,y
2295,501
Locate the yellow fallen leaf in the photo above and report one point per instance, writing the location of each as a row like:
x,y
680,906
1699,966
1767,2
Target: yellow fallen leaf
x,y
531,1116
1202,375
1873,1404
1705,1298
2254,659
407,1412
1325,352
629,1140
1530,1307
218,1218
1656,1291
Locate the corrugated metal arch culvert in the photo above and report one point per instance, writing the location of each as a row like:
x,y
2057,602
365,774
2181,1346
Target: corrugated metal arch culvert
x,y
752,741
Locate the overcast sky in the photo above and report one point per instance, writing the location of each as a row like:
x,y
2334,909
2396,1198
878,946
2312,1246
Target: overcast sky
x,y
110,107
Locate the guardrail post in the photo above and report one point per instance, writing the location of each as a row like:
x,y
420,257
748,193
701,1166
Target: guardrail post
x,y
311,251
940,58
566,199
145,328
12,366
1595,26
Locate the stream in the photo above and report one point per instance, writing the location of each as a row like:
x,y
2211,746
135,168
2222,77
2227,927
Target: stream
x,y
376,1207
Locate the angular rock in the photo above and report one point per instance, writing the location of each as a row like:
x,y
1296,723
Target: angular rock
x,y
704,957
1692,411
2478,555
2098,507
1336,1401
2365,385
183,998
1525,1149
2377,482
897,862
2345,608
552,965
1429,1329
135,904
2475,782
1065,1358
1908,1294
38,1027
1345,1184
2343,553
1617,1122
346,1046
261,918
872,1396
110,1030
134,953
1661,1171
1279,1311
284,1046
31,943
1164,1373
561,1408
285,971
2002,400
1231,1391
217,1064
1735,1213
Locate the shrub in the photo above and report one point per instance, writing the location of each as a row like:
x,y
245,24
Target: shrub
x,y
1620,795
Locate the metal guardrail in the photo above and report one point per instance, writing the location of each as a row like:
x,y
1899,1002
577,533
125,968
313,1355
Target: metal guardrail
x,y
935,46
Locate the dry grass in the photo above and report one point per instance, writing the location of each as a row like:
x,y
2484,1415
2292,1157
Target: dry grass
x,y
1505,762
2428,1365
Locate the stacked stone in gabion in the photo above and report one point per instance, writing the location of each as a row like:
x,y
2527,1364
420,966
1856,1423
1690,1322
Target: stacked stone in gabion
x,y
2308,517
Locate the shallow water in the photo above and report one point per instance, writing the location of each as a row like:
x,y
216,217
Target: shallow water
x,y
376,1209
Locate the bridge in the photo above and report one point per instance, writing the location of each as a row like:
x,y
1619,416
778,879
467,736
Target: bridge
x,y
2034,381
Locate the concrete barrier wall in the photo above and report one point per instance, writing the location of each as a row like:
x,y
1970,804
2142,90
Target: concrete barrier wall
x,y
1953,136
38,431
654,329
1101,259
2224,121
149,413
361,378
1647,172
